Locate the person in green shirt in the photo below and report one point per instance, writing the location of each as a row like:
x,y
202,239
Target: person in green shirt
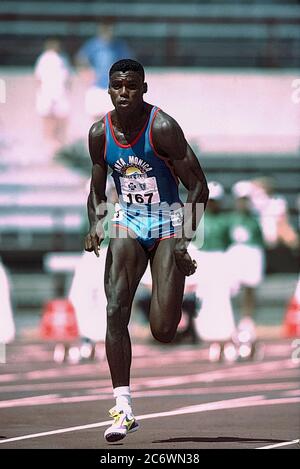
x,y
215,228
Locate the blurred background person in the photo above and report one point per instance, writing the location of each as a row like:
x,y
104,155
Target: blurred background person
x,y
215,320
97,56
87,293
7,325
245,255
53,74
272,210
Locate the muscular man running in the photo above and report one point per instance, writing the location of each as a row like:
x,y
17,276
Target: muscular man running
x,y
148,155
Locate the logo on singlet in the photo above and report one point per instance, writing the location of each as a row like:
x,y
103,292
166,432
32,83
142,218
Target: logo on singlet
x,y
134,168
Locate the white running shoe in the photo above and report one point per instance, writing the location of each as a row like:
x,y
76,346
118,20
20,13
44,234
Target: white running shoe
x,y
124,422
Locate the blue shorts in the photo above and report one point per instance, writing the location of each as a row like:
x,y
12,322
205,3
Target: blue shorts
x,y
146,224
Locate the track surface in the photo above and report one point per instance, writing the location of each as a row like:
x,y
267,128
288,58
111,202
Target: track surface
x,y
181,400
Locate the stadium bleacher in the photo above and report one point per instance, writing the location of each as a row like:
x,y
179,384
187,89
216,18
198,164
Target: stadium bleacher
x,y
193,33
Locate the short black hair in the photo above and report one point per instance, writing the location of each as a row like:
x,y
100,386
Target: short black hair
x,y
126,65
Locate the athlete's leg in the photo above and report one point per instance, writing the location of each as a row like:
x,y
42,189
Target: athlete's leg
x,y
167,291
126,263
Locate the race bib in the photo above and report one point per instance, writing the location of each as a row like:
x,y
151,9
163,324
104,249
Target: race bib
x,y
140,190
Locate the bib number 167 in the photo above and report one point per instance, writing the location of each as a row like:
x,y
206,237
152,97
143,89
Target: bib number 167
x,y
140,198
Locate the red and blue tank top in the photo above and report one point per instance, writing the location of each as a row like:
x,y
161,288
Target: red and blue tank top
x,y
142,177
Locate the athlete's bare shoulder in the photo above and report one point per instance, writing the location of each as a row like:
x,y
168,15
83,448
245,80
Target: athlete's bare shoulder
x,y
97,130
167,135
97,141
164,123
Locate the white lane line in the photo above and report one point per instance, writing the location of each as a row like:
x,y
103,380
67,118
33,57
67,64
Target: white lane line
x,y
252,401
227,404
57,432
293,392
100,394
278,445
238,371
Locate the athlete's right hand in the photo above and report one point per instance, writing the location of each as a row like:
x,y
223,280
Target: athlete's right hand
x,y
183,260
92,242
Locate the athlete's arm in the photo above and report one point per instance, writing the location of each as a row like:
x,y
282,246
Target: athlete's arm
x,y
96,203
192,177
169,141
168,138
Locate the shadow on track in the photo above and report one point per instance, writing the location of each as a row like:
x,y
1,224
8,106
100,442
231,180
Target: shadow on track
x,y
220,439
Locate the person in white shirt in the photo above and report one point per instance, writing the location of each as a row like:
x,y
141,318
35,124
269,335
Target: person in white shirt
x,y
272,211
53,74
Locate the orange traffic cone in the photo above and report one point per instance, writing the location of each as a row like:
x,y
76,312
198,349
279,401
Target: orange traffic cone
x,y
291,324
59,321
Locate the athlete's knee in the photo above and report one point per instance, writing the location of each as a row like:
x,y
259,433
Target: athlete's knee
x,y
163,331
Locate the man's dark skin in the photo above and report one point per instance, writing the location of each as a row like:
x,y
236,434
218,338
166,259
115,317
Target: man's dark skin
x,y
126,259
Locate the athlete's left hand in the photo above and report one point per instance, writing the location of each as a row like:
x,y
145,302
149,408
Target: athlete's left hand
x,y
183,260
